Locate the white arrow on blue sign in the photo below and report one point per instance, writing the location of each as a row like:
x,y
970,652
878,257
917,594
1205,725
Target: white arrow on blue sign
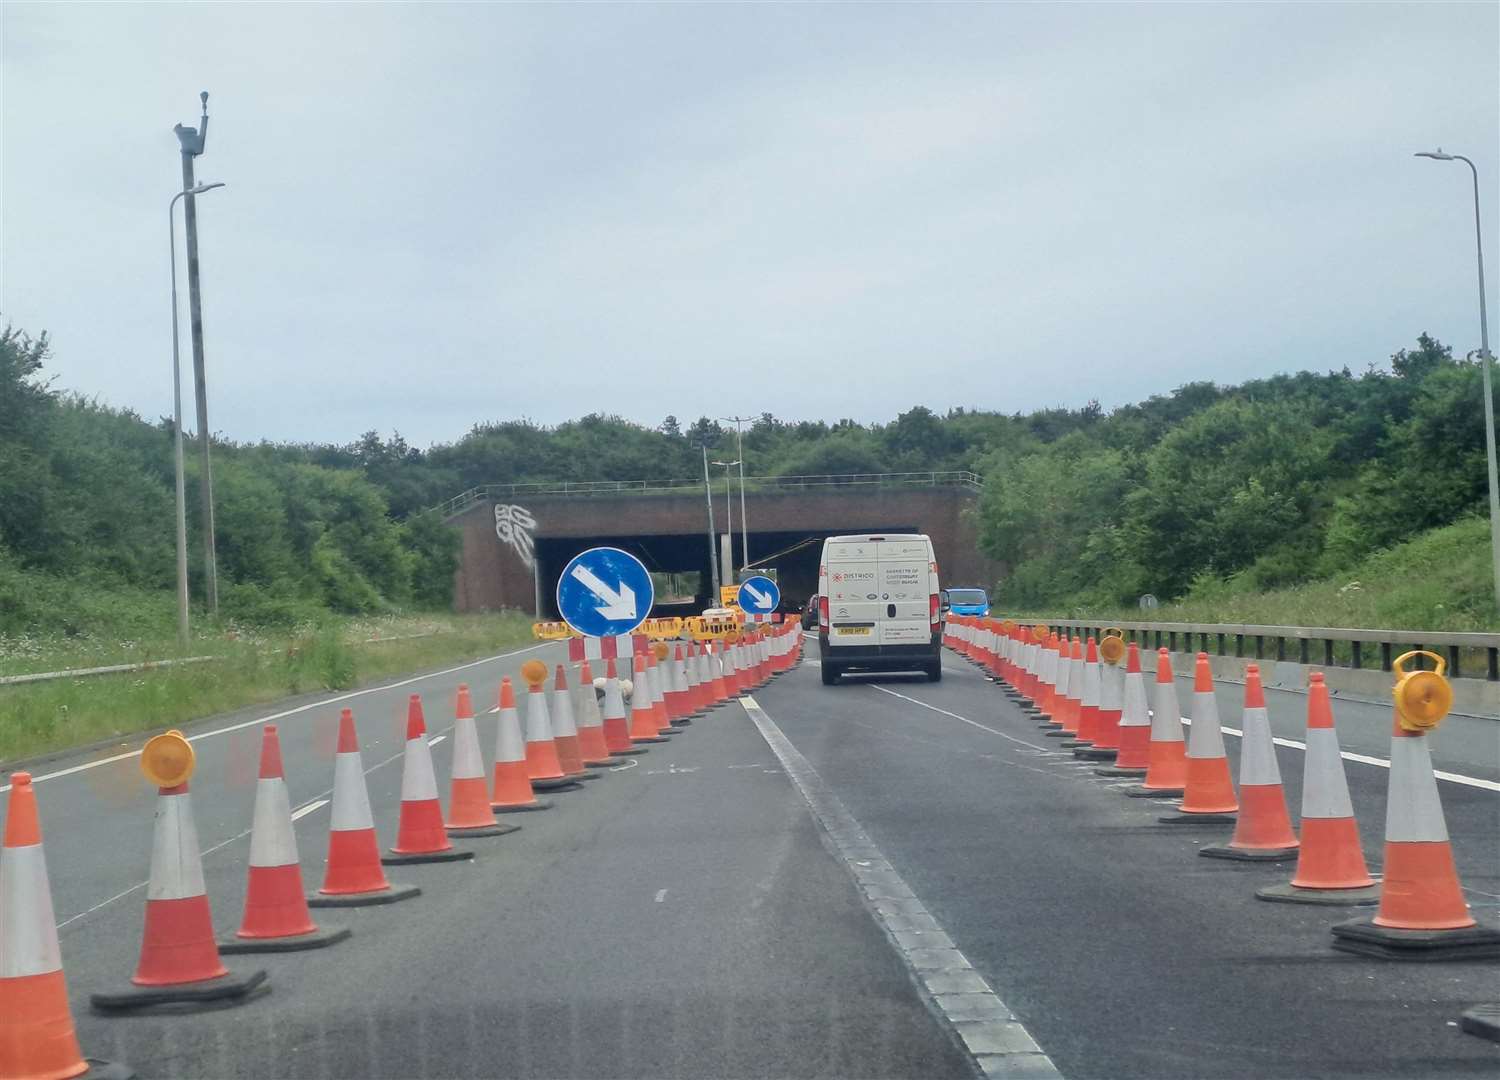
x,y
604,591
759,595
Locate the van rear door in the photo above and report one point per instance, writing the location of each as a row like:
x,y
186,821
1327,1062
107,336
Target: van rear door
x,y
904,609
853,590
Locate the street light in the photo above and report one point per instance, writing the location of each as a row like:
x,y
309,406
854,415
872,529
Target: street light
x,y
1484,367
182,578
739,448
713,536
729,519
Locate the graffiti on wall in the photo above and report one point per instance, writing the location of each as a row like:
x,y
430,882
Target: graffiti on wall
x,y
514,525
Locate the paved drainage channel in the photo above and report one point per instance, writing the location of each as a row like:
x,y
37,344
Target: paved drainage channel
x,y
999,1042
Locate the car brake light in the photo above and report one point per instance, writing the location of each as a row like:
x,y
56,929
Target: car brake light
x,y
934,607
823,612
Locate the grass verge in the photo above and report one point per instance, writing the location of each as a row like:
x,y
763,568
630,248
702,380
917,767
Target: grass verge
x,y
337,654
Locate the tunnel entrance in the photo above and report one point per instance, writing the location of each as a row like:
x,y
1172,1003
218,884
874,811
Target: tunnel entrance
x,y
792,555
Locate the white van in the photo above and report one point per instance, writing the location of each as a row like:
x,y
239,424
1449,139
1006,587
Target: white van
x,y
879,606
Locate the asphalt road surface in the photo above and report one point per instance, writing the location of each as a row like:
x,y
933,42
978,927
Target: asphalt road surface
x,y
715,908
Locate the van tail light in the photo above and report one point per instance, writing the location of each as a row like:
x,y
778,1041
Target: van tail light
x,y
823,612
934,608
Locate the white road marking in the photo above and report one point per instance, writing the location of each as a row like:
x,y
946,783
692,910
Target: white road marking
x,y
436,739
630,763
999,1042
302,811
1366,759
661,894
281,715
965,719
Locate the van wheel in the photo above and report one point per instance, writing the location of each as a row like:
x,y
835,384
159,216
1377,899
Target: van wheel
x,y
935,671
830,674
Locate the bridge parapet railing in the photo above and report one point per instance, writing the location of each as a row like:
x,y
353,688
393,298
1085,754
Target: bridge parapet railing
x,y
582,489
1469,655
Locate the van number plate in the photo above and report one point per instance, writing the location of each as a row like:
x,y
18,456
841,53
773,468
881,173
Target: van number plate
x,y
853,631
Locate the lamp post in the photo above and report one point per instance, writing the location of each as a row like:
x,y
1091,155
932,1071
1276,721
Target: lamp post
x,y
739,447
728,521
1484,367
182,576
708,495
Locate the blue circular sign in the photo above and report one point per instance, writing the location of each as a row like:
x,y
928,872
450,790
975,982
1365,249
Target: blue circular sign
x,y
604,591
759,595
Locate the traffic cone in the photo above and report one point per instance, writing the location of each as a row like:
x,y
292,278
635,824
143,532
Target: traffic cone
x,y
719,668
420,836
37,1038
1263,830
354,876
1088,699
1046,665
512,792
1065,701
565,730
658,697
179,962
543,765
591,746
681,688
1330,862
1135,722
672,703
1111,702
1208,794
616,727
643,727
276,915
1166,768
1422,915
694,697
469,812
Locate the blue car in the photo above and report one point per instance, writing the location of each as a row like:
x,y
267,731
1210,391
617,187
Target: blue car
x,y
968,602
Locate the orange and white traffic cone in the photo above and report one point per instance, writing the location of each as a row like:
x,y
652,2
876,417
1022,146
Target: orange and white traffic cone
x,y
543,765
354,876
469,812
179,962
1208,794
276,915
673,694
655,677
1263,830
1106,738
512,792
1331,865
1422,915
643,726
1065,706
684,689
37,1037
591,746
693,699
1166,759
616,726
723,684
1088,700
565,730
420,835
1046,677
1135,722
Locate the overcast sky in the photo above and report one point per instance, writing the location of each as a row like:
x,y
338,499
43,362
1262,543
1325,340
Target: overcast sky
x,y
437,215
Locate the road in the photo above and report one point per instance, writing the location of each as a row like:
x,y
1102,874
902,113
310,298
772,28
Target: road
x,y
753,898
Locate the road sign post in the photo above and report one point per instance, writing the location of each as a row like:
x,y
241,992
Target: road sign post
x,y
604,592
758,595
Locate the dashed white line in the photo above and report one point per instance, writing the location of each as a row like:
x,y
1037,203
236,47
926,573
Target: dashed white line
x,y
661,895
302,811
436,739
1366,759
